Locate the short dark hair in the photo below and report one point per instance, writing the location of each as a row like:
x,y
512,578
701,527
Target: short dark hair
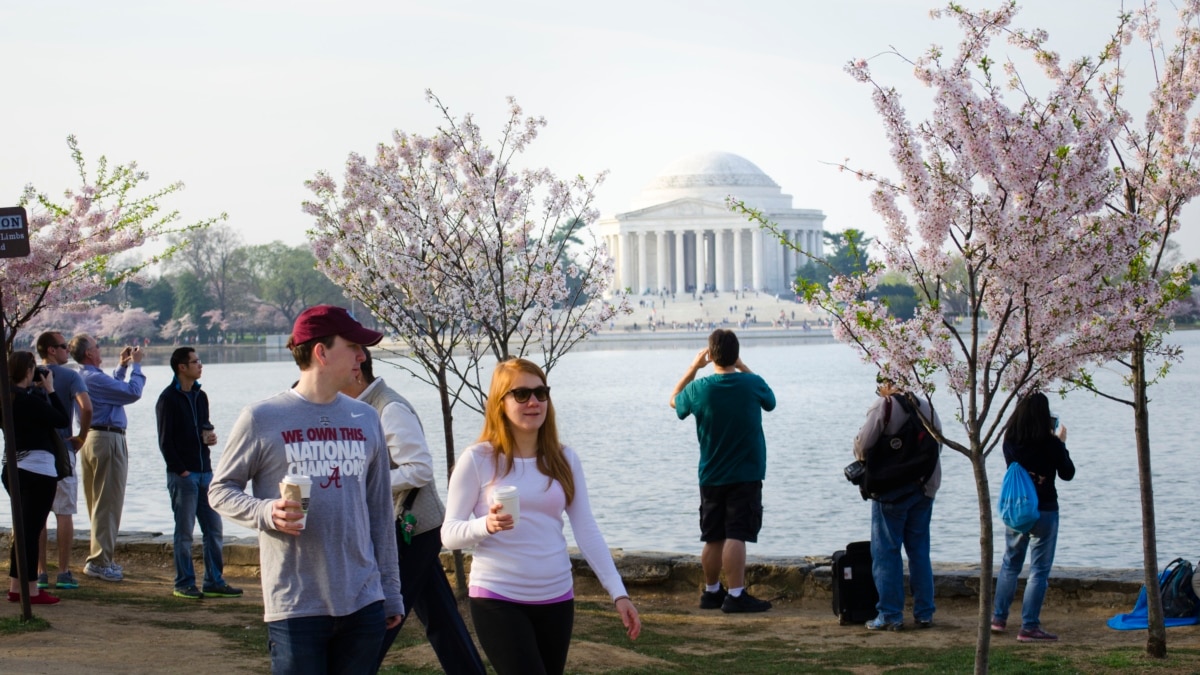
x,y
723,347
302,352
367,370
180,357
47,341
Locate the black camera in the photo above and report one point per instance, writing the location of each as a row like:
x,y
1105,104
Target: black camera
x,y
40,372
856,472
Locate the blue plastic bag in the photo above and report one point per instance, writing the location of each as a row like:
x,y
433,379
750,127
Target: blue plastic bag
x,y
1018,499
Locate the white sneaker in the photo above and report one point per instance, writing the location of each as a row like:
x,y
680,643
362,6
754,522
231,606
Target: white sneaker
x,y
106,573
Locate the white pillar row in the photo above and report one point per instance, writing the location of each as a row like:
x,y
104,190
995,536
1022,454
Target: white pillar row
x,y
642,264
719,248
680,267
756,257
701,262
739,277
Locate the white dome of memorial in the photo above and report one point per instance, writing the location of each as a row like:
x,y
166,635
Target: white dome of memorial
x,y
681,237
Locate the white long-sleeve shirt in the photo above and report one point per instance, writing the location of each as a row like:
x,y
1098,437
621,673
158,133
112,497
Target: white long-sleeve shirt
x,y
528,563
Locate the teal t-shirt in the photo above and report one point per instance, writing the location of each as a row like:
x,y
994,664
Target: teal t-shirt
x,y
728,409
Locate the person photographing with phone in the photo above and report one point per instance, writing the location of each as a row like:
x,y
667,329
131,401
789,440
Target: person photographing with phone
x,y
728,407
104,457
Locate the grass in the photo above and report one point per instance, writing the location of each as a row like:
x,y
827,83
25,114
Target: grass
x,y
673,645
14,625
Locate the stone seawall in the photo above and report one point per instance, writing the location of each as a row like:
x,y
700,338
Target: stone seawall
x,y
795,578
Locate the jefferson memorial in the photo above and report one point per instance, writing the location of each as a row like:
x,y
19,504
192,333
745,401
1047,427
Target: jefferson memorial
x,y
681,237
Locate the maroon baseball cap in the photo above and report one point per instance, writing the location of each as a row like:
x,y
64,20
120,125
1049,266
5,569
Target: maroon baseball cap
x,y
324,320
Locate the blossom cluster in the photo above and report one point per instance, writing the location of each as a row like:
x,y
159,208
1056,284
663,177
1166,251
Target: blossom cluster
x,y
1057,207
72,243
461,252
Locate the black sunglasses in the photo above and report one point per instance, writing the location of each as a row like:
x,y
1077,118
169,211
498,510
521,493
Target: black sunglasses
x,y
62,346
522,394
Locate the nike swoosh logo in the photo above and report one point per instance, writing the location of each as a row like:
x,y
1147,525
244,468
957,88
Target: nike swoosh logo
x,y
357,415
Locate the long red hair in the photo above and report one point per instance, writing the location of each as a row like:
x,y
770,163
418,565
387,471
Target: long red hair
x,y
551,461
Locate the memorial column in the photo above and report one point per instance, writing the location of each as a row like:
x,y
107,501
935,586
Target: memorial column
x,y
739,276
662,256
681,266
719,261
756,257
642,265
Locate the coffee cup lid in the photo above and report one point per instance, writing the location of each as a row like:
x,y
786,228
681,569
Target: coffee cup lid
x,y
297,480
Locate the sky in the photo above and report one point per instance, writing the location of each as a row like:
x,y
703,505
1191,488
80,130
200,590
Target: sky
x,y
245,100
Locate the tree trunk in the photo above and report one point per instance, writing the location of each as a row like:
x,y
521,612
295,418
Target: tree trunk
x,y
1156,636
460,575
983,639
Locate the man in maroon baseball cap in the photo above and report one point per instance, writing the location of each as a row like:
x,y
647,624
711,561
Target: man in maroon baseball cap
x,y
341,561
322,321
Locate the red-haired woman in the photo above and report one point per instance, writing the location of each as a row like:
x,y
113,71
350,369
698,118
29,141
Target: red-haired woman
x,y
522,602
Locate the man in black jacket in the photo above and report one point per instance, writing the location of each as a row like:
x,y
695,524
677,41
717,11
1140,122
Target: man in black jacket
x,y
184,436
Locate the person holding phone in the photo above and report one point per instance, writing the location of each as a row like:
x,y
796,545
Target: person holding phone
x,y
104,456
1032,440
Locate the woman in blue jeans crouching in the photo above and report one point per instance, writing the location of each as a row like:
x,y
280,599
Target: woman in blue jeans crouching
x,y
1031,440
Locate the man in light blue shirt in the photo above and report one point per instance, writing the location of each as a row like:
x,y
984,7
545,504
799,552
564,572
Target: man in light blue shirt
x,y
104,457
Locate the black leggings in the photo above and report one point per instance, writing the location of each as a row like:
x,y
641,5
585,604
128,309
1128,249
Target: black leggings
x,y
37,496
524,639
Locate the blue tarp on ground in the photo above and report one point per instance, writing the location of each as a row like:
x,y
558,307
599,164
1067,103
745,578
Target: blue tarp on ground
x,y
1139,618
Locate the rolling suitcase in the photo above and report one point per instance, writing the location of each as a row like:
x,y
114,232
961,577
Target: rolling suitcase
x,y
854,594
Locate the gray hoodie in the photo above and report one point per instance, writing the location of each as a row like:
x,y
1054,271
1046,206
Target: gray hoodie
x,y
345,559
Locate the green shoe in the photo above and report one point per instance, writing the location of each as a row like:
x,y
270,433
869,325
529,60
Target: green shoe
x,y
66,580
43,580
189,593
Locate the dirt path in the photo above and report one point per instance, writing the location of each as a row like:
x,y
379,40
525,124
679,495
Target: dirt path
x,y
147,632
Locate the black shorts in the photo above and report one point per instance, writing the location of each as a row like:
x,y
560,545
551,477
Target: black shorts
x,y
731,511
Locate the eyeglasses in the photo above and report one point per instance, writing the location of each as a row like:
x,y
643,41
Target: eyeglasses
x,y
522,394
194,363
62,346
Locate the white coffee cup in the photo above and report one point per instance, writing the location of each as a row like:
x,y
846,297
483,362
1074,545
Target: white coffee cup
x,y
297,489
509,499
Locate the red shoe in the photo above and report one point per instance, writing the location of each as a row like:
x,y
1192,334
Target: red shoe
x,y
43,598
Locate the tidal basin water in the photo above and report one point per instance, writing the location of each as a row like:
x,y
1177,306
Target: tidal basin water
x,y
640,460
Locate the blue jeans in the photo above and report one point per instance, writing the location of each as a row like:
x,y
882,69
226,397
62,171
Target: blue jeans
x,y
902,523
1040,541
321,645
428,593
189,501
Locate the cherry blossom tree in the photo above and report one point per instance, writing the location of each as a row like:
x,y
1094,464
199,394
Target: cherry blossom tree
x,y
1158,166
458,252
121,326
1002,197
73,243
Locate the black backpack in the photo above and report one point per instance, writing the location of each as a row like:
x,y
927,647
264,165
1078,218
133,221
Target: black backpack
x,y
906,458
1178,598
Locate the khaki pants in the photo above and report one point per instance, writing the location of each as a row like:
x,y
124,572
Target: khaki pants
x,y
104,463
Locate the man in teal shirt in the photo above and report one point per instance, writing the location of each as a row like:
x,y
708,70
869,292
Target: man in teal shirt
x,y
728,408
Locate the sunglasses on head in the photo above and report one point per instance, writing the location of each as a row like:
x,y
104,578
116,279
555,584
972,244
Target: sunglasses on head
x,y
522,394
